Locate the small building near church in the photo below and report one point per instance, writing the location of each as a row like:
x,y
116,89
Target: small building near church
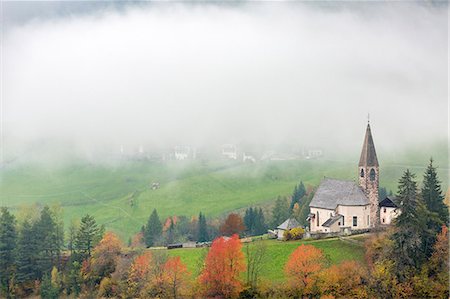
x,y
285,226
389,210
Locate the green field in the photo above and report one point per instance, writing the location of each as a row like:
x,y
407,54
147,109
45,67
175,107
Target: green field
x,y
278,253
119,195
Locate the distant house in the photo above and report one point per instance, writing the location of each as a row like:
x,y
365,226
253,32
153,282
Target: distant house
x,y
286,225
229,151
389,210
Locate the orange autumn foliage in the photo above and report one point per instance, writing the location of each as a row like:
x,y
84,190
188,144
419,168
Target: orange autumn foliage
x,y
302,268
105,255
232,225
139,274
223,265
344,280
176,277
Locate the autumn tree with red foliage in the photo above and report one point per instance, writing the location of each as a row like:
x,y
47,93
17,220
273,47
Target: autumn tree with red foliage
x,y
302,269
138,274
176,277
232,225
223,265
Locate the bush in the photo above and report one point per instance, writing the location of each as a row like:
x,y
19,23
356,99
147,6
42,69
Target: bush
x,y
294,234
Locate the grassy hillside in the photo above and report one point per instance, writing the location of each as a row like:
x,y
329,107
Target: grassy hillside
x,y
120,195
277,255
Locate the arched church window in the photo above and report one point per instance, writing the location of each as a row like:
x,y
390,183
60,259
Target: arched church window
x,y
372,174
362,172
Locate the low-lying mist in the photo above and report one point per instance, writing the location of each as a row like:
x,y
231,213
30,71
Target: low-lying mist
x,y
260,75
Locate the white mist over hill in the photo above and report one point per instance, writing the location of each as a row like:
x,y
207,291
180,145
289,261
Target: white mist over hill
x,y
261,73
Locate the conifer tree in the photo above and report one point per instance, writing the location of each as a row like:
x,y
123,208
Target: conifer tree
x,y
8,239
259,225
280,211
88,235
153,229
49,241
432,194
249,219
297,195
202,229
411,228
26,254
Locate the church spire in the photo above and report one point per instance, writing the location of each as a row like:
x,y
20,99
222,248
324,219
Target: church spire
x,y
368,154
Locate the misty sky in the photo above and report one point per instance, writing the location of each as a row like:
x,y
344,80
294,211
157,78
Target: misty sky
x,y
272,72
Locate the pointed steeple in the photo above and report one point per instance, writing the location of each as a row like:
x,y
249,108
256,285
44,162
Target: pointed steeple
x,y
368,154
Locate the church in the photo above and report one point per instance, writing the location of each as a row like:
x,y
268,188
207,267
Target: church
x,y
339,204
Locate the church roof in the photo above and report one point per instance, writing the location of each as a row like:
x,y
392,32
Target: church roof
x,y
333,192
289,224
368,154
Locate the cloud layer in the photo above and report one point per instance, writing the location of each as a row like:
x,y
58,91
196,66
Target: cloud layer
x,y
264,73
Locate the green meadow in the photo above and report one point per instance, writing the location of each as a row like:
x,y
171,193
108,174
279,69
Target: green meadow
x,y
119,194
277,254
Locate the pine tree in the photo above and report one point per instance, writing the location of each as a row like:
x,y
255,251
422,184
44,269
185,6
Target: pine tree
x,y
50,242
153,229
297,195
259,225
8,239
411,228
89,234
202,229
26,253
280,211
432,194
249,219
382,193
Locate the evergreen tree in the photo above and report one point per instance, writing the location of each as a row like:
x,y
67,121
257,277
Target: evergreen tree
x,y
8,239
202,229
432,194
153,229
382,193
280,211
259,225
50,242
88,235
249,219
48,290
297,195
411,228
26,253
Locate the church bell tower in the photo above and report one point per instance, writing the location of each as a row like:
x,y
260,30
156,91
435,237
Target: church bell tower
x,y
368,173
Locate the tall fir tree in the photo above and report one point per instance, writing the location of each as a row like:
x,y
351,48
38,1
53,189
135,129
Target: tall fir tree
x,y
432,194
88,235
153,229
259,225
8,242
297,195
280,211
26,267
202,228
411,229
50,241
249,219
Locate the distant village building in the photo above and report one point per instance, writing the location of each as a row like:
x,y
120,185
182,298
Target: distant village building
x,y
389,210
182,152
314,154
339,204
229,151
248,158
